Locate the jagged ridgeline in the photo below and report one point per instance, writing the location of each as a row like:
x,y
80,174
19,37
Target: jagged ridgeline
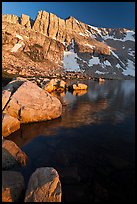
x,y
50,44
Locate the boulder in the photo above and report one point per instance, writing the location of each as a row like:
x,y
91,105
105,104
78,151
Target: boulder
x,y
10,88
55,85
12,155
62,84
44,186
31,104
13,186
9,124
79,86
101,80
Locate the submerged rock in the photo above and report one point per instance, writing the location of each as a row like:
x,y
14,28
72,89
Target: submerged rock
x,y
12,155
44,186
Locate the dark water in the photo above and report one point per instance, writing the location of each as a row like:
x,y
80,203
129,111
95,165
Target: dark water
x,y
91,146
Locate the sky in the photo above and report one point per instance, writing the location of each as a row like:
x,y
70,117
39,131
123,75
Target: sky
x,y
99,14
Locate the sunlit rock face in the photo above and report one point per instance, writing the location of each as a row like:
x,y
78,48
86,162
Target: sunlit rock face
x,y
50,44
24,102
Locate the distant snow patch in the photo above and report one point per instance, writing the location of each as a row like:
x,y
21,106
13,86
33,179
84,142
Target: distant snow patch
x,y
94,60
129,36
98,72
118,66
16,47
131,52
19,36
115,55
81,34
77,21
70,61
91,46
107,63
72,46
130,69
96,29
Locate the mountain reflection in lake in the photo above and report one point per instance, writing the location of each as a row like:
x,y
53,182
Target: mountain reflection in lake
x,y
91,145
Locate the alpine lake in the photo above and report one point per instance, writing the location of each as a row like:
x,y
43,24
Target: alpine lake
x,y
92,144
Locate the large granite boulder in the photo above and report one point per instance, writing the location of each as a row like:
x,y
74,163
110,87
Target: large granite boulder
x,y
44,186
9,124
13,186
30,103
12,155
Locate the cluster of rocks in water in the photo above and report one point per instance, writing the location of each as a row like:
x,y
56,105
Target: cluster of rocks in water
x,y
23,101
44,184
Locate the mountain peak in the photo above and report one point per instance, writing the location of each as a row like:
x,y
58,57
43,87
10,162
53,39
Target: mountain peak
x,y
67,44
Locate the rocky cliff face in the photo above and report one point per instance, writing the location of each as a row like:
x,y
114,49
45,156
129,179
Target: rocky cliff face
x,y
53,44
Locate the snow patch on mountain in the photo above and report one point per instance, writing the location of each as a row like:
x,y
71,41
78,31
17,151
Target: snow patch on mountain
x,y
130,69
98,72
118,65
82,34
115,55
19,36
94,60
91,46
16,47
70,59
129,36
131,52
107,63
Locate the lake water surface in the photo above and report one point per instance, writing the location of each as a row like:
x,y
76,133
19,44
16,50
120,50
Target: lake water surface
x,y
92,145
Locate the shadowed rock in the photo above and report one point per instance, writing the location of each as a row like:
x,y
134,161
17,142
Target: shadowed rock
x,y
13,186
10,88
12,155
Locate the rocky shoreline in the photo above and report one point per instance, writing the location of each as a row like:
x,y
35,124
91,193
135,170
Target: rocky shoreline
x,y
7,77
44,184
14,188
23,101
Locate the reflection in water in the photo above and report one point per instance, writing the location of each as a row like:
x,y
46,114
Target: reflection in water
x,y
79,92
91,144
108,102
